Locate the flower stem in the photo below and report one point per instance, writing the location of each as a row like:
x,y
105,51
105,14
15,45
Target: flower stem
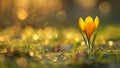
x,y
84,38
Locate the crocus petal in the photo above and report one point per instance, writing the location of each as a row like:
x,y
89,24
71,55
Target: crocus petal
x,y
89,28
96,21
89,19
81,24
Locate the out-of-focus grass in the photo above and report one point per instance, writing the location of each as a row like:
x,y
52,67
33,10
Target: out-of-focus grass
x,y
31,55
34,48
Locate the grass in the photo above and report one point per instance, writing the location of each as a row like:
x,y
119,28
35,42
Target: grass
x,y
14,56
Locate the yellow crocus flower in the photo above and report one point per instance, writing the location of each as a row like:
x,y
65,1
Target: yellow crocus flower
x,y
88,25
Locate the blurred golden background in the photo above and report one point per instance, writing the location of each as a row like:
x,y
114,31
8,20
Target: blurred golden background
x,y
41,13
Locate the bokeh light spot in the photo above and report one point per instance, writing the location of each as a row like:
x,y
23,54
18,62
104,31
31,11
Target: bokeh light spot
x,y
35,37
86,4
22,14
61,15
105,7
110,43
